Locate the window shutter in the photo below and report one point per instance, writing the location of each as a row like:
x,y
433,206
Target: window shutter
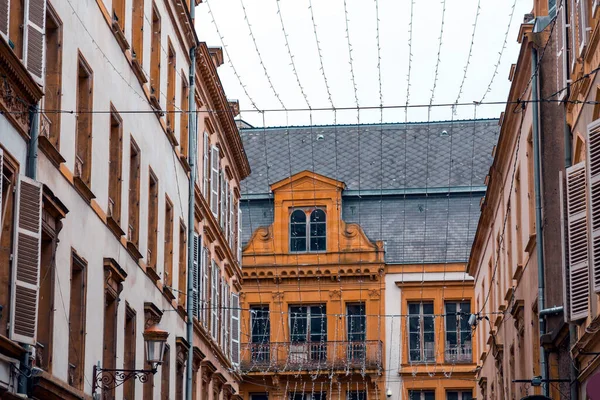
x,y
564,235
214,319
574,33
206,167
583,26
202,295
593,190
577,242
4,17
34,47
1,183
239,237
562,53
196,289
235,329
206,286
214,181
231,223
26,255
222,200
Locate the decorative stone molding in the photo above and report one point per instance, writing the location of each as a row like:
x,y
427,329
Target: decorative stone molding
x,y
197,359
181,349
335,294
114,276
152,315
208,369
278,296
374,293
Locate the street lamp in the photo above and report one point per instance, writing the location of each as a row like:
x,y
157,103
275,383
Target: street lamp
x,y
154,343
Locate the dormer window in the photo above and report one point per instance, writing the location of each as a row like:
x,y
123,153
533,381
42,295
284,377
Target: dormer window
x,y
308,230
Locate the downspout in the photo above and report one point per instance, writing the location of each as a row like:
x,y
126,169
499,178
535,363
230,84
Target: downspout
x,y
192,149
538,216
24,379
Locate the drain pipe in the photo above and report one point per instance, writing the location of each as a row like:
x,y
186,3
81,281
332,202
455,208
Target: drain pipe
x,y
538,216
192,149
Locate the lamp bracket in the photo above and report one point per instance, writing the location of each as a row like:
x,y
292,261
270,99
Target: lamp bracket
x,y
108,379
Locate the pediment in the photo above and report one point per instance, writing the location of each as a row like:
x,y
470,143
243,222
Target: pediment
x,y
307,181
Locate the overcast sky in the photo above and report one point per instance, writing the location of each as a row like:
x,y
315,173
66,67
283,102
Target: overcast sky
x,y
394,16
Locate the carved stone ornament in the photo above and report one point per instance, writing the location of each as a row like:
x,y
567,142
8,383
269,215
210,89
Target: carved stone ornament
x,y
335,294
152,315
374,293
277,296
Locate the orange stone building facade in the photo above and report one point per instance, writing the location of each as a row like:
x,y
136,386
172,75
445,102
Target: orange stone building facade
x,y
312,300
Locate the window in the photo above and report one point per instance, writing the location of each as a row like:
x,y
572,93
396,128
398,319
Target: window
x,y
184,117
114,166
152,219
119,13
518,218
109,353
298,231
316,237
53,71
77,321
8,182
552,8
165,373
261,333
182,284
155,57
258,396
134,194
46,299
458,332
530,184
129,350
171,72
168,251
137,30
206,168
462,395
356,395
83,139
215,301
214,181
356,327
421,395
308,333
421,332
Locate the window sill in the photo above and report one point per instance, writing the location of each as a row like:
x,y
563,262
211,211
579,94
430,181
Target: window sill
x,y
153,275
167,292
171,136
139,71
50,151
114,226
120,36
134,252
185,163
83,189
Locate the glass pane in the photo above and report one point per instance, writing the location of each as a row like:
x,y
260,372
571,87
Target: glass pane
x,y
415,347
465,308
452,396
318,229
298,230
298,324
317,216
413,308
298,216
413,324
450,308
318,244
427,308
451,323
298,244
467,396
450,340
429,395
428,324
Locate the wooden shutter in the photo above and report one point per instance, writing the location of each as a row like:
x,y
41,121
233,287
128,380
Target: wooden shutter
x,y
235,329
583,26
26,265
4,17
34,47
574,33
577,242
222,200
562,52
214,181
214,306
1,183
195,274
564,235
239,237
206,168
202,294
593,190
206,287
231,223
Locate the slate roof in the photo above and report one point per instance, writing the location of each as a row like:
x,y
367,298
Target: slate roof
x,y
415,186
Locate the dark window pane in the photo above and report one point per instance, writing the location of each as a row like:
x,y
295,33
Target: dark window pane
x,y
428,324
298,230
318,229
298,216
413,325
298,244
430,395
452,396
467,396
427,308
317,216
414,308
318,244
465,308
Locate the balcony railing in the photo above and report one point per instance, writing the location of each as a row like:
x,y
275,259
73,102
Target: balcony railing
x,y
459,353
288,356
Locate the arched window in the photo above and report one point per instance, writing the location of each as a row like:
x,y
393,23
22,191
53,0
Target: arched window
x,y
318,230
298,231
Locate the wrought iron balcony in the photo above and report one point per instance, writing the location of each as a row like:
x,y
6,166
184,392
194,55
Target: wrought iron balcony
x,y
307,356
459,353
